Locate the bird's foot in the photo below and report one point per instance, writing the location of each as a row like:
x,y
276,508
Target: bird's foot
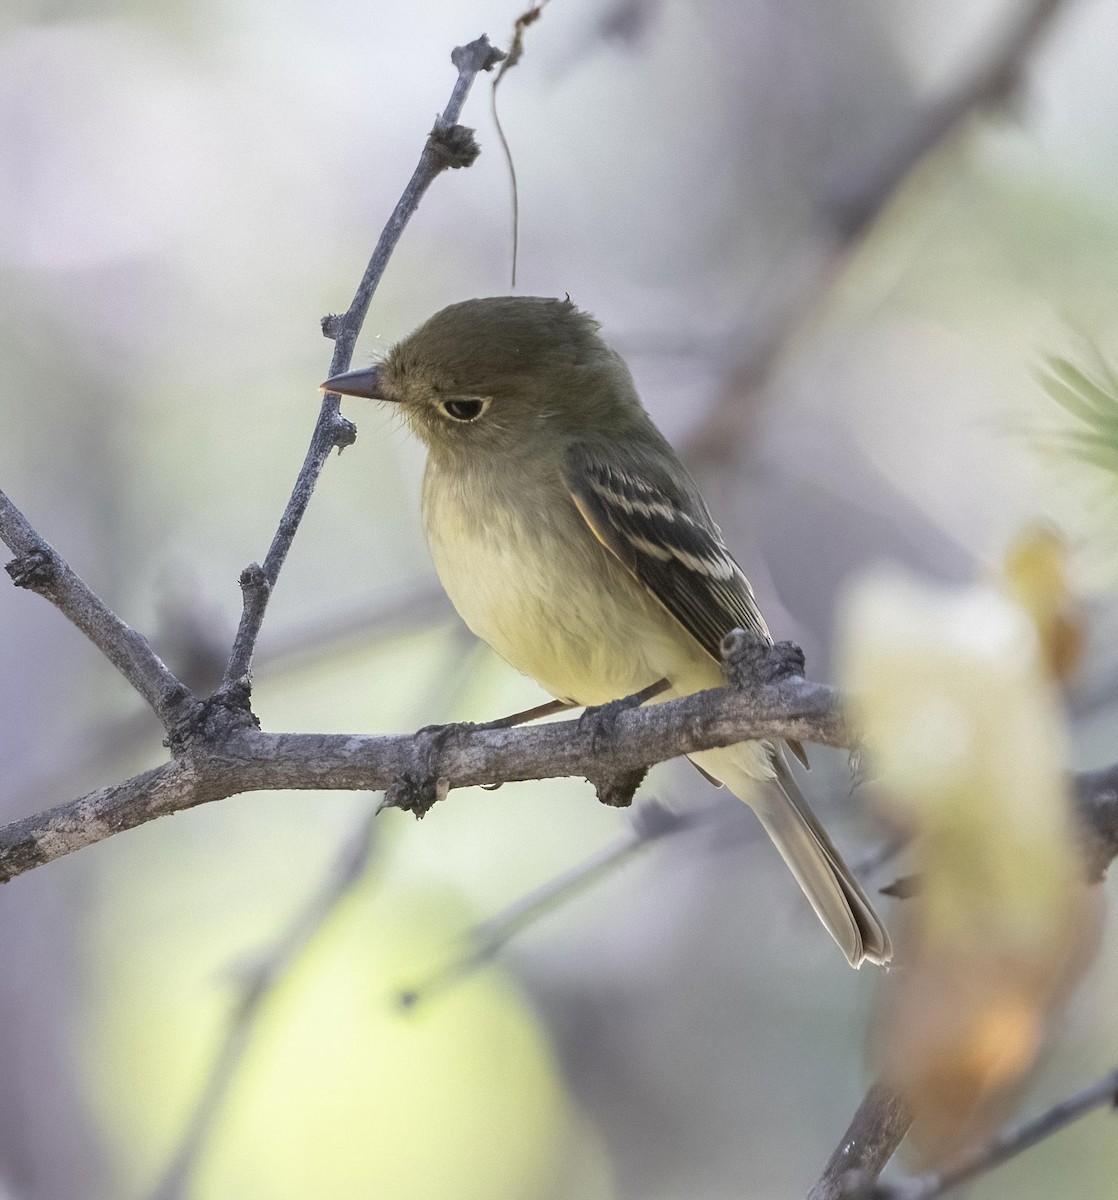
x,y
615,787
418,788
547,709
601,719
418,791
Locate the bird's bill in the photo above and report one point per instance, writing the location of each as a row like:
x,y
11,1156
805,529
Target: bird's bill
x,y
364,382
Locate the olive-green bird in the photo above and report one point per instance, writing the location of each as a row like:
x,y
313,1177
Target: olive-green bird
x,y
570,538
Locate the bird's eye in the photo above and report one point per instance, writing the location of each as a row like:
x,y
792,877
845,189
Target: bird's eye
x,y
465,408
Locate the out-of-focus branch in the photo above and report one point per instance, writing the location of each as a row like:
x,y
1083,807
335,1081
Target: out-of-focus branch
x,y
39,568
990,80
1004,1145
448,145
258,979
266,971
651,822
855,204
877,1129
420,607
1096,796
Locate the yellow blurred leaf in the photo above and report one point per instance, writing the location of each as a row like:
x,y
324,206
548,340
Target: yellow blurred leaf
x,y
954,694
342,1092
1037,578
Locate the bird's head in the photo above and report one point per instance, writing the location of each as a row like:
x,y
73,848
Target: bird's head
x,y
505,375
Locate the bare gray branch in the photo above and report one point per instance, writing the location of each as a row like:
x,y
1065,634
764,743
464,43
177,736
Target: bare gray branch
x,y
224,759
448,145
876,1130
39,568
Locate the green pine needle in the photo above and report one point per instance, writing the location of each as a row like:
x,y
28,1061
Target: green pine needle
x,y
1092,402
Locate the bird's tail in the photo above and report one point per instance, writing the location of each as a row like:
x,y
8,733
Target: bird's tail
x,y
826,880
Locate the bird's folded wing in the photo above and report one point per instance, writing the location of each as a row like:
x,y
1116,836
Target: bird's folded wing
x,y
659,527
661,530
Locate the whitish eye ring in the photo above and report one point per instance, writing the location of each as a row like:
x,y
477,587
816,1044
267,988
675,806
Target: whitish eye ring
x,y
465,409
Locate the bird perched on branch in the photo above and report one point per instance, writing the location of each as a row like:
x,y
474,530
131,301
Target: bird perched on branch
x,y
570,538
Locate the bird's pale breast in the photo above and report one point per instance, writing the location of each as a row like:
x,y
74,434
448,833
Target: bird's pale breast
x,y
537,586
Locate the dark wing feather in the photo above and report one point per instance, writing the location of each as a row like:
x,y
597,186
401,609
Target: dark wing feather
x,y
657,524
659,527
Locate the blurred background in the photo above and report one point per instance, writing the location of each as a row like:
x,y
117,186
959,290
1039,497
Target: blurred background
x,y
185,188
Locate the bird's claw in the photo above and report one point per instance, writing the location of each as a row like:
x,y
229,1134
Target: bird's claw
x,y
615,788
418,789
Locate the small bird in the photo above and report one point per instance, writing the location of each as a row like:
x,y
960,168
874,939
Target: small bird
x,y
571,538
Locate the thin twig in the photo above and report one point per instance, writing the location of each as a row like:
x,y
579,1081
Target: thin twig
x,y
1004,1145
259,979
448,145
39,568
854,206
515,52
